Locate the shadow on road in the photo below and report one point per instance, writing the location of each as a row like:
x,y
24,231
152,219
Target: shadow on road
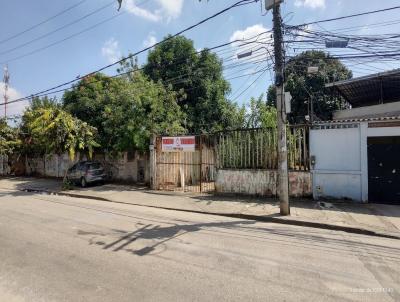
x,y
304,238
161,234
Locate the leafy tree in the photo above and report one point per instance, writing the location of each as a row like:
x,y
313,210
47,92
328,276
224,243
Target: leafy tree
x,y
199,76
303,86
43,102
260,114
52,130
126,110
9,140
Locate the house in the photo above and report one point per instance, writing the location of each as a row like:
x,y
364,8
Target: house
x,y
356,155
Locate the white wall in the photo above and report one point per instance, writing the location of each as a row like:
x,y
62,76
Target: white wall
x,y
388,109
341,169
338,165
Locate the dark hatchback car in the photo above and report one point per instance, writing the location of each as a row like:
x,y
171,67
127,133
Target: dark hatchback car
x,y
86,172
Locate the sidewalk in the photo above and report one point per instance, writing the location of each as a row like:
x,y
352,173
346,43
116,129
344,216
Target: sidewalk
x,y
377,218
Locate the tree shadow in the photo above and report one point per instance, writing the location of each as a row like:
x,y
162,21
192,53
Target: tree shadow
x,y
293,237
161,234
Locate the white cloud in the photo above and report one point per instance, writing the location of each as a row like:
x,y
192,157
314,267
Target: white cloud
x,y
132,8
13,108
111,50
171,8
166,10
249,32
310,3
150,40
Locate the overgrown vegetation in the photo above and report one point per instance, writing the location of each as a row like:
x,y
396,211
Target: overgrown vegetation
x,y
304,86
178,90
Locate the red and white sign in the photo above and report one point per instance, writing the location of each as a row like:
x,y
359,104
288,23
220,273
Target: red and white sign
x,y
179,143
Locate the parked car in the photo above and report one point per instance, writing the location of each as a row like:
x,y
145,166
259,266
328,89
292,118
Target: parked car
x,y
86,172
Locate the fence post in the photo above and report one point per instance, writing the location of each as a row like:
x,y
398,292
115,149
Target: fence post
x,y
201,163
153,163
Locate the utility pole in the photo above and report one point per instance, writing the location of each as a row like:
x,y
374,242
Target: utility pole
x,y
283,174
6,80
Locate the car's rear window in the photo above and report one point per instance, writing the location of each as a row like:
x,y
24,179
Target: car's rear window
x,y
95,166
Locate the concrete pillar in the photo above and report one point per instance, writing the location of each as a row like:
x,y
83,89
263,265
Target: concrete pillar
x,y
153,163
364,161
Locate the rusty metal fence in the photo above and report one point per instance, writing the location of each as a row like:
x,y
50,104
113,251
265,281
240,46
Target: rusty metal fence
x,y
237,149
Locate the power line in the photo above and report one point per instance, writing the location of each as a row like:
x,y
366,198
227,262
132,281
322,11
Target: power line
x,y
143,50
42,22
345,17
58,29
230,66
262,73
67,38
266,68
62,40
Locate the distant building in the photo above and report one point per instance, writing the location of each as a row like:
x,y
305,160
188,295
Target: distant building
x,y
357,154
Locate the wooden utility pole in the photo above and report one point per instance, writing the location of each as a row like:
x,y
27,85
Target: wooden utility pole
x,y
283,175
6,80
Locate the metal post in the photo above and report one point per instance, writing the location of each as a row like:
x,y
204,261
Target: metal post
x,y
283,175
312,109
201,163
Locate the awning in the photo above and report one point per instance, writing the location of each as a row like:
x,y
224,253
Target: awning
x,y
369,90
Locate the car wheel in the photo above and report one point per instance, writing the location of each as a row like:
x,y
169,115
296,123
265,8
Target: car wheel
x,y
83,182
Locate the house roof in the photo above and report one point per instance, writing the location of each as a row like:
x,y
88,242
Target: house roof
x,y
373,89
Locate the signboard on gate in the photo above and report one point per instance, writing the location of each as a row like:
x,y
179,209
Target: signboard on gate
x,y
178,143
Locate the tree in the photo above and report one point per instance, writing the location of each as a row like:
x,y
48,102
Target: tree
x,y
127,111
52,130
260,114
303,86
43,102
199,76
9,140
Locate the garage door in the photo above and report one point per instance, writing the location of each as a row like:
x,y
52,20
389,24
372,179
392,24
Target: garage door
x,y
384,169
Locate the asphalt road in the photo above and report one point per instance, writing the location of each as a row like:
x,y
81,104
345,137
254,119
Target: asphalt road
x,y
65,249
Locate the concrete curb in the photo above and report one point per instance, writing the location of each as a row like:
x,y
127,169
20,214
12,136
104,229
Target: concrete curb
x,y
302,223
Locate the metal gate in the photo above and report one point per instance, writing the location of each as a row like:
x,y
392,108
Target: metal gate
x,y
186,171
384,169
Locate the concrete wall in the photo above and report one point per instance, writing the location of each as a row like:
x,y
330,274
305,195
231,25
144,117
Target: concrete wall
x,y
388,109
260,182
4,167
121,168
341,158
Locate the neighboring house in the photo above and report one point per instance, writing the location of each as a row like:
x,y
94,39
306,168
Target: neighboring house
x,y
356,155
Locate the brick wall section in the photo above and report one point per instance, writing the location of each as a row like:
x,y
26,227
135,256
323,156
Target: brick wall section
x,y
261,182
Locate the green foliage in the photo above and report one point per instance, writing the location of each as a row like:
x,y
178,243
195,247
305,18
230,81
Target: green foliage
x,y
260,114
199,76
9,140
44,102
52,130
303,86
127,111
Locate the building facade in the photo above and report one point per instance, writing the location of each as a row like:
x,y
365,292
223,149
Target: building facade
x,y
356,155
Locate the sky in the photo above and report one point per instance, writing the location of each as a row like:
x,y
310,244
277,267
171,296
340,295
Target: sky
x,y
141,23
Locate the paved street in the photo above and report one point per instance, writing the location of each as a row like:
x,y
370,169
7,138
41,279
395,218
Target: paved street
x,y
64,249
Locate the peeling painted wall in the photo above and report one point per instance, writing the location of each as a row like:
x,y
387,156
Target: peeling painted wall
x,y
133,168
261,182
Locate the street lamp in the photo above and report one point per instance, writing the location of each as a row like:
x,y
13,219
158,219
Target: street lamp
x,y
311,70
